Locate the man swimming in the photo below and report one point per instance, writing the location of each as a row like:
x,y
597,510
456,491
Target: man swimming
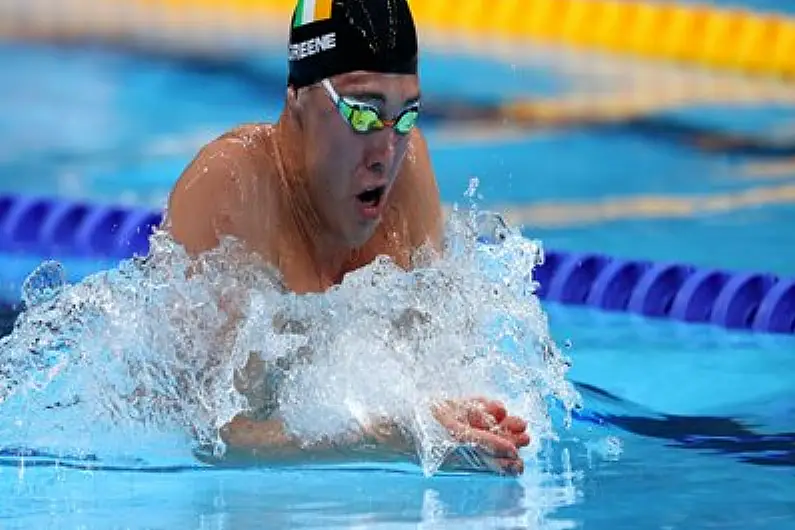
x,y
342,177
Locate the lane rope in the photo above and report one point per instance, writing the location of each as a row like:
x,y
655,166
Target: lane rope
x,y
734,39
53,228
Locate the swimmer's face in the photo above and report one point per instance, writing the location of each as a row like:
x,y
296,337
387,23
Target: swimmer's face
x,y
350,173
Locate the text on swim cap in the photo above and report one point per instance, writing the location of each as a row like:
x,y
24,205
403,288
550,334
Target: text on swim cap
x,y
313,46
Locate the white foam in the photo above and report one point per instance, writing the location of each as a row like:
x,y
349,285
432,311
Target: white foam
x,y
137,349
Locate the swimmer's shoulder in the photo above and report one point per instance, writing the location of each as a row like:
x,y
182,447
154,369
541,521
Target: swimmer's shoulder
x,y
253,137
217,191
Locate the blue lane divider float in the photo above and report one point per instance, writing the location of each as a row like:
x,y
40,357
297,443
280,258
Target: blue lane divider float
x,y
43,226
761,302
751,301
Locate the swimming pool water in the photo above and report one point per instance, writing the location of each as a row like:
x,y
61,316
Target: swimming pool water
x,y
120,128
701,375
767,6
704,417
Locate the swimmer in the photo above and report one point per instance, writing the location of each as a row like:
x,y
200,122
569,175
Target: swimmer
x,y
342,177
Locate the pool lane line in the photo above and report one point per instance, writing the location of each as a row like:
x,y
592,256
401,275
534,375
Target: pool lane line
x,y
568,214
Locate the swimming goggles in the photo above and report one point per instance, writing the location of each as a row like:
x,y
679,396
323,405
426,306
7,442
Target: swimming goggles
x,y
365,118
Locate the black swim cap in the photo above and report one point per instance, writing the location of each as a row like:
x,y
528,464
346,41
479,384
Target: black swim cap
x,y
331,37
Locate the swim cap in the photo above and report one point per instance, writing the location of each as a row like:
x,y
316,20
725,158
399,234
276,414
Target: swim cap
x,y
331,37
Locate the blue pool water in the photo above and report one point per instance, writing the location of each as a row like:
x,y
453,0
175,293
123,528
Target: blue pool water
x,y
703,417
765,6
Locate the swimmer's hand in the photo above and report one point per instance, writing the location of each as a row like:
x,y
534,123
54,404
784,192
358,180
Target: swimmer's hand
x,y
494,437
490,440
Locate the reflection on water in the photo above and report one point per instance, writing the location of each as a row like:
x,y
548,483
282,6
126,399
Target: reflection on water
x,y
396,497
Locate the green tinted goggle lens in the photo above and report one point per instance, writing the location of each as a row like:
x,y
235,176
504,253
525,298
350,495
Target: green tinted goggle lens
x,y
364,119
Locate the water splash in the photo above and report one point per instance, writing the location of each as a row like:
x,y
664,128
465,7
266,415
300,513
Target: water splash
x,y
158,344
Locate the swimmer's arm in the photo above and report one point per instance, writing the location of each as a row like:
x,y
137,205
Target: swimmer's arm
x,y
205,206
267,442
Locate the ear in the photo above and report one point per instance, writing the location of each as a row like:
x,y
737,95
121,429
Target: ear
x,y
294,103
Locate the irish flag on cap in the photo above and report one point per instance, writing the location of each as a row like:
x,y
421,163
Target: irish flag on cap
x,y
311,11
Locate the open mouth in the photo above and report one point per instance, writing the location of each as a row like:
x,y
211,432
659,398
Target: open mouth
x,y
372,198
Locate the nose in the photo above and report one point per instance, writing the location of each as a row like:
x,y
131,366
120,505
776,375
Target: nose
x,y
381,151
378,168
